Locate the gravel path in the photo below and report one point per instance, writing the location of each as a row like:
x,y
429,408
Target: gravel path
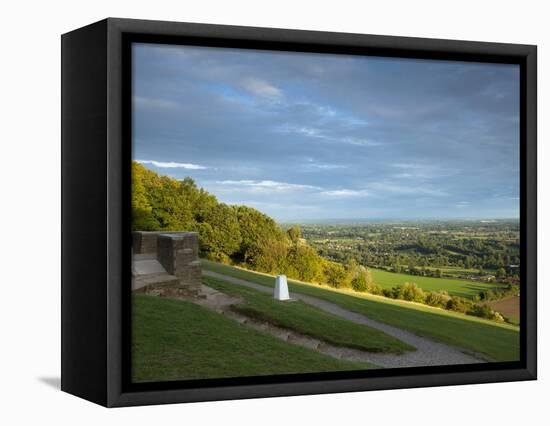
x,y
428,352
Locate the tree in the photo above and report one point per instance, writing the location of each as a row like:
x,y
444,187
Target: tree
x,y
268,255
336,275
411,292
501,274
304,263
255,227
294,233
220,233
142,211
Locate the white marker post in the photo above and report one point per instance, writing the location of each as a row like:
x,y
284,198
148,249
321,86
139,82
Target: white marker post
x,y
281,288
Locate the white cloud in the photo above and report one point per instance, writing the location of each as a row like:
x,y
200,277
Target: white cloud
x,y
421,171
346,193
359,142
261,88
326,166
266,185
172,165
316,133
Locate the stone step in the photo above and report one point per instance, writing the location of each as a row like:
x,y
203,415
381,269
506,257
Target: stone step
x,y
153,280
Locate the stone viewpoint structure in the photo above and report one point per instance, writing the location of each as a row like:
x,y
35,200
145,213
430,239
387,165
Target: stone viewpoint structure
x,y
166,263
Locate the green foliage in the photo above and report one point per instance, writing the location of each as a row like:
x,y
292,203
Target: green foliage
x,y
459,304
255,227
268,255
304,263
439,299
412,293
336,275
485,311
294,233
227,234
359,283
451,249
223,234
361,279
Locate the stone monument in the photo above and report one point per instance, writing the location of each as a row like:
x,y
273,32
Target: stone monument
x,y
281,288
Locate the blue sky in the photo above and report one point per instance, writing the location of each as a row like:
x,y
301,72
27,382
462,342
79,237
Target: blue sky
x,y
314,136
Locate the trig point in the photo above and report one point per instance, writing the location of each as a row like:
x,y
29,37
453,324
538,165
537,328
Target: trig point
x,y
281,288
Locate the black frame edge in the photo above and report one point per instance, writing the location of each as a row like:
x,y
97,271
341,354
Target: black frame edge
x,y
530,182
83,213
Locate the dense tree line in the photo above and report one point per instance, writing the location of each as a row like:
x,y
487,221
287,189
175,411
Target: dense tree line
x,y
234,234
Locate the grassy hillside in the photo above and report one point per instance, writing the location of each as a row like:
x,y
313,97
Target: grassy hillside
x,y
455,287
499,342
177,340
309,320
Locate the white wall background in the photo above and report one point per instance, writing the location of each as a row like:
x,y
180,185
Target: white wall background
x,y
30,200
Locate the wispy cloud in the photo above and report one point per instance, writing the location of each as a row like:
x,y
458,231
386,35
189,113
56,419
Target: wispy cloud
x,y
172,165
317,133
325,166
328,114
463,204
262,88
421,171
267,185
346,193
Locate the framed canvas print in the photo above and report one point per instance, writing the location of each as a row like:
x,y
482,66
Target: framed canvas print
x,y
253,212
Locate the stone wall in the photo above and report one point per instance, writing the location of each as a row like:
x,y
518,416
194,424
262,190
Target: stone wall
x,y
144,242
177,252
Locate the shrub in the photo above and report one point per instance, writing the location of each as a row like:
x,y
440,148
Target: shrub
x,y
359,283
412,293
438,299
336,275
484,311
392,293
458,304
374,288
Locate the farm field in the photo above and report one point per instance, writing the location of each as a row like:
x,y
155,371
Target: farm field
x,y
178,340
498,342
309,320
509,307
455,287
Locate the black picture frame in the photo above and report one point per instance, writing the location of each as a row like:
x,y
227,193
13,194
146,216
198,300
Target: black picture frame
x,y
96,153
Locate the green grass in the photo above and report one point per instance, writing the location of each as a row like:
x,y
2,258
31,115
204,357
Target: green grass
x,y
455,287
309,320
498,342
178,340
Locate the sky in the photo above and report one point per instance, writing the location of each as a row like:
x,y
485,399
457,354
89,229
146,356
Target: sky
x,y
305,137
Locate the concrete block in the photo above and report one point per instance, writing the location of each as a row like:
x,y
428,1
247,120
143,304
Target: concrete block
x,y
281,288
